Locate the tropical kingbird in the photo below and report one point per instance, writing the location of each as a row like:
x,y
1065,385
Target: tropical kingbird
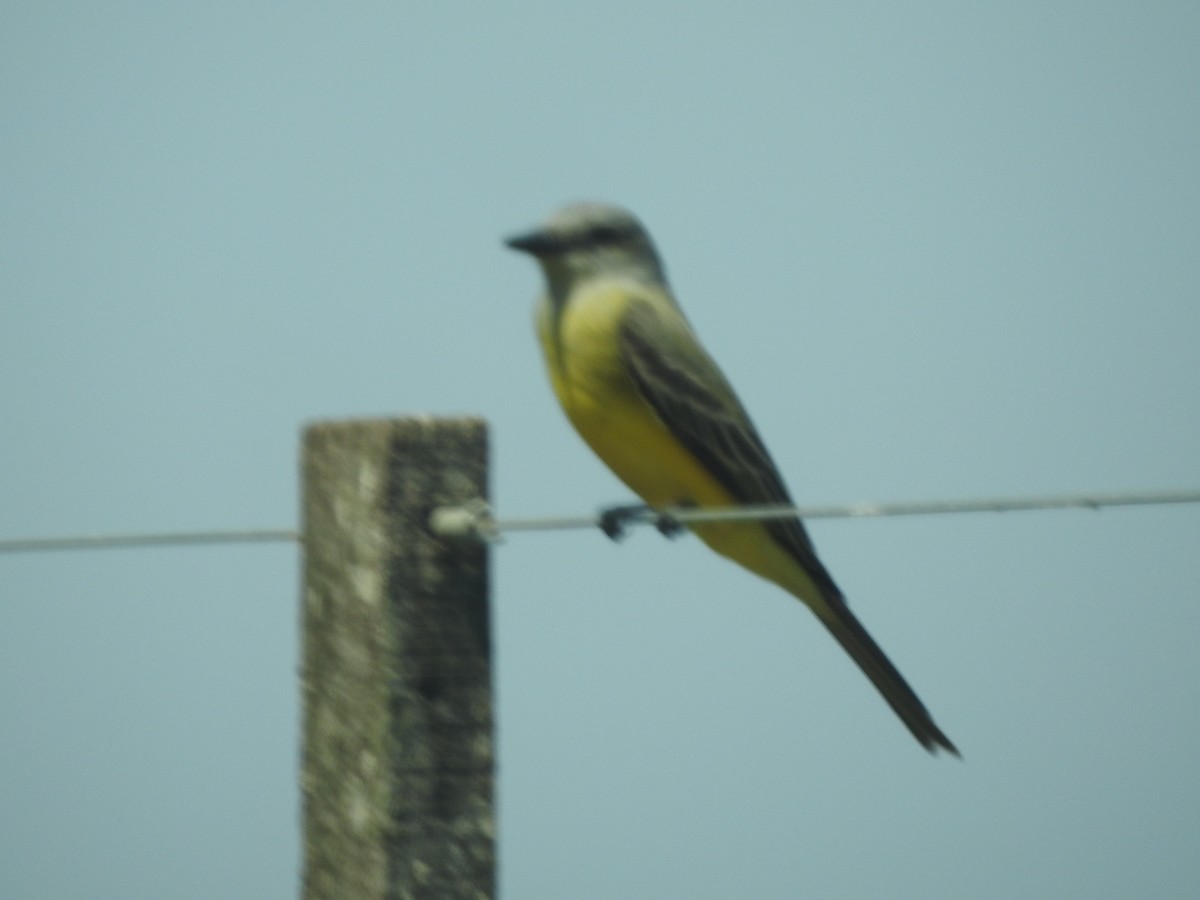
x,y
649,400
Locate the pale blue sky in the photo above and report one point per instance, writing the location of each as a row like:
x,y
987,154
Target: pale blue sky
x,y
943,250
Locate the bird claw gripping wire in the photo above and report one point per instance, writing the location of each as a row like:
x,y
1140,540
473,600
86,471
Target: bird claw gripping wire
x,y
615,520
669,526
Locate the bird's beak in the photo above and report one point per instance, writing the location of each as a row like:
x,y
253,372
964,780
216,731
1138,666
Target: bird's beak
x,y
536,243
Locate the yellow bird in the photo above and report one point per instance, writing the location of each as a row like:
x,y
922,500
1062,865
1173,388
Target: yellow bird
x,y
639,388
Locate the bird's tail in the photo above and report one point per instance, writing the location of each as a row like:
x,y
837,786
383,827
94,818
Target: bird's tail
x,y
862,648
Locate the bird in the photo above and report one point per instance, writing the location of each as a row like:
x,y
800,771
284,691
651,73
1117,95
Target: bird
x,y
634,380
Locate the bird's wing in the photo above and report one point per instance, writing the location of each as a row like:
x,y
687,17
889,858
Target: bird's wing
x,y
680,381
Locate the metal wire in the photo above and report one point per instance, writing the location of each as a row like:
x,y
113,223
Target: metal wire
x,y
475,519
107,541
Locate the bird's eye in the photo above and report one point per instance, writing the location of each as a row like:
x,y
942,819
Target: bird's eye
x,y
605,234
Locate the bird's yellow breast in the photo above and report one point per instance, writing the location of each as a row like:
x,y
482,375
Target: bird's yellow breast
x,y
583,357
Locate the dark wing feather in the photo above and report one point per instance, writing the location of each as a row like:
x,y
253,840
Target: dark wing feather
x,y
696,403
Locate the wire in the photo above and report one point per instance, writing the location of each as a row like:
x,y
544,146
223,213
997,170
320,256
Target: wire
x,y
106,541
475,519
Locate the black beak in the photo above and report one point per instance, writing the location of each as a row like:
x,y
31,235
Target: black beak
x,y
535,243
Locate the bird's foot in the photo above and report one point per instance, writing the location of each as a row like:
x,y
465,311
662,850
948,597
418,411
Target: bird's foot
x,y
614,521
668,526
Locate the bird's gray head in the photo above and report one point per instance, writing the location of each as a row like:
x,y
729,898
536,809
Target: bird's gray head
x,y
589,240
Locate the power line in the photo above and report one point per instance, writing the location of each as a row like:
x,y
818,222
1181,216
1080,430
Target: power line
x,y
107,541
476,520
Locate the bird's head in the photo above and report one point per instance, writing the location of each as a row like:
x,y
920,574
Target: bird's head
x,y
591,240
